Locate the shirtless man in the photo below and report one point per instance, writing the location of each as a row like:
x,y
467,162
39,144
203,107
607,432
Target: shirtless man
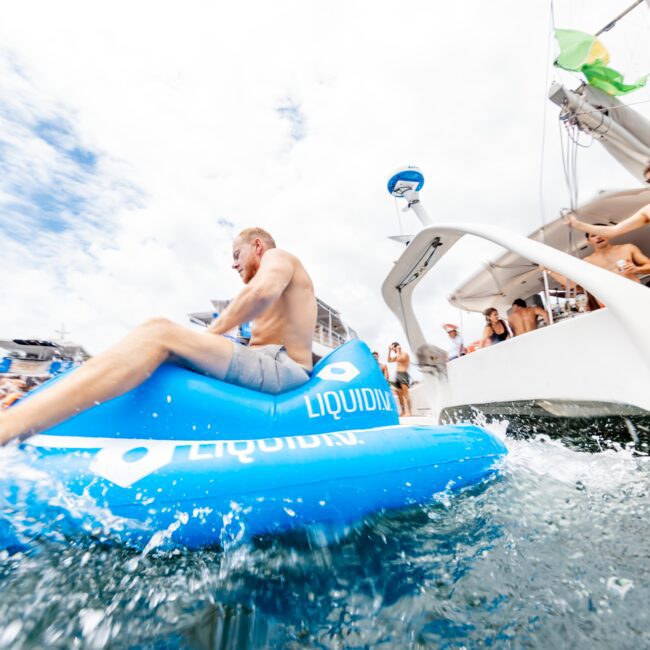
x,y
402,377
278,296
523,319
626,259
382,366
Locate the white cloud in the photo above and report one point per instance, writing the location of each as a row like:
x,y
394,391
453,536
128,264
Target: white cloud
x,y
180,106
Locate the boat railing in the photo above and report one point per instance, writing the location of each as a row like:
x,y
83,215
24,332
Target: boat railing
x,y
328,337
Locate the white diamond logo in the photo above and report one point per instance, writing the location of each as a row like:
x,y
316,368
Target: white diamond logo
x,y
125,464
340,371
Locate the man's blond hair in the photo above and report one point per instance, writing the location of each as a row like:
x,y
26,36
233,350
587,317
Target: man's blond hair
x,y
249,234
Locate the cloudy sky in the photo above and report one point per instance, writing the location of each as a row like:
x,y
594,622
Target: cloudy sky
x,y
137,137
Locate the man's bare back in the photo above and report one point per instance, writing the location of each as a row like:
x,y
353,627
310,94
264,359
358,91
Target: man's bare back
x,y
281,295
524,319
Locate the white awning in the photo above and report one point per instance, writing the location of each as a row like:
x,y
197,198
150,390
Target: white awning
x,y
510,276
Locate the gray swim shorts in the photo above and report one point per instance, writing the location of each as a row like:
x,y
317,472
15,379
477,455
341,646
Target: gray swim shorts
x,y
268,369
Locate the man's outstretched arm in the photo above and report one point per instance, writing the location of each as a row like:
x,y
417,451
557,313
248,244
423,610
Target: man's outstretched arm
x,y
270,281
637,220
569,285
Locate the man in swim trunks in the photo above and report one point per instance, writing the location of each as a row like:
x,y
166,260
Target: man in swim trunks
x,y
278,297
402,377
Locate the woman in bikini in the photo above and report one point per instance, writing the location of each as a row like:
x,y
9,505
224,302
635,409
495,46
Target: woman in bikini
x,y
496,330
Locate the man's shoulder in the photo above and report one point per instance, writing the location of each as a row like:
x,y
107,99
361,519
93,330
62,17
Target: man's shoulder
x,y
277,258
626,247
279,253
285,257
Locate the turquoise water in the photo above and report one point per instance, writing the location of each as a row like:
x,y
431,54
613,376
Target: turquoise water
x,y
552,553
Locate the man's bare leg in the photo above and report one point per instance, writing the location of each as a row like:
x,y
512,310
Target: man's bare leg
x,y
405,398
400,399
115,372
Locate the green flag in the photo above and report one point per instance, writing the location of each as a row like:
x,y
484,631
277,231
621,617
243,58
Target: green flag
x,y
609,80
581,52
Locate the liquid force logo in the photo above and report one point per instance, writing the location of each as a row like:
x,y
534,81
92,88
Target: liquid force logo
x,y
127,463
343,371
336,403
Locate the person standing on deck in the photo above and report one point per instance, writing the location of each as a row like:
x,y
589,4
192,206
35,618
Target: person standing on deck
x,y
455,347
402,377
523,319
625,259
495,330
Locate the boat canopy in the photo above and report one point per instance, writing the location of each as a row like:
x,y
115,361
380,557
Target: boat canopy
x,y
510,276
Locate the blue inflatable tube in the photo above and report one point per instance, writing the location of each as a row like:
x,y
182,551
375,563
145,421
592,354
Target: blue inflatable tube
x,y
201,462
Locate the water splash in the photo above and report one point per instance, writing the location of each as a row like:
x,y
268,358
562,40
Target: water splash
x,y
552,552
30,496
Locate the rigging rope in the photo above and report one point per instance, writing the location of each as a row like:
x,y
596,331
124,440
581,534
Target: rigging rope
x,y
543,151
542,208
569,148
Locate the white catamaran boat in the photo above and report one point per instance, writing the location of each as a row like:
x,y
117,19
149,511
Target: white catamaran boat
x,y
585,376
585,367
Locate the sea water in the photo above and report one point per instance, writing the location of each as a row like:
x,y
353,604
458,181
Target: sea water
x,y
552,553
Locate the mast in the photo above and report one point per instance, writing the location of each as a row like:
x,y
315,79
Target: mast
x,y
623,132
613,22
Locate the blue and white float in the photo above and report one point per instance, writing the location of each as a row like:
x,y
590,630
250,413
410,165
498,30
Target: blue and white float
x,y
204,461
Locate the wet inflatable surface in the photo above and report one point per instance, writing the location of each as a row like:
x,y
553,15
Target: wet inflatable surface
x,y
204,461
